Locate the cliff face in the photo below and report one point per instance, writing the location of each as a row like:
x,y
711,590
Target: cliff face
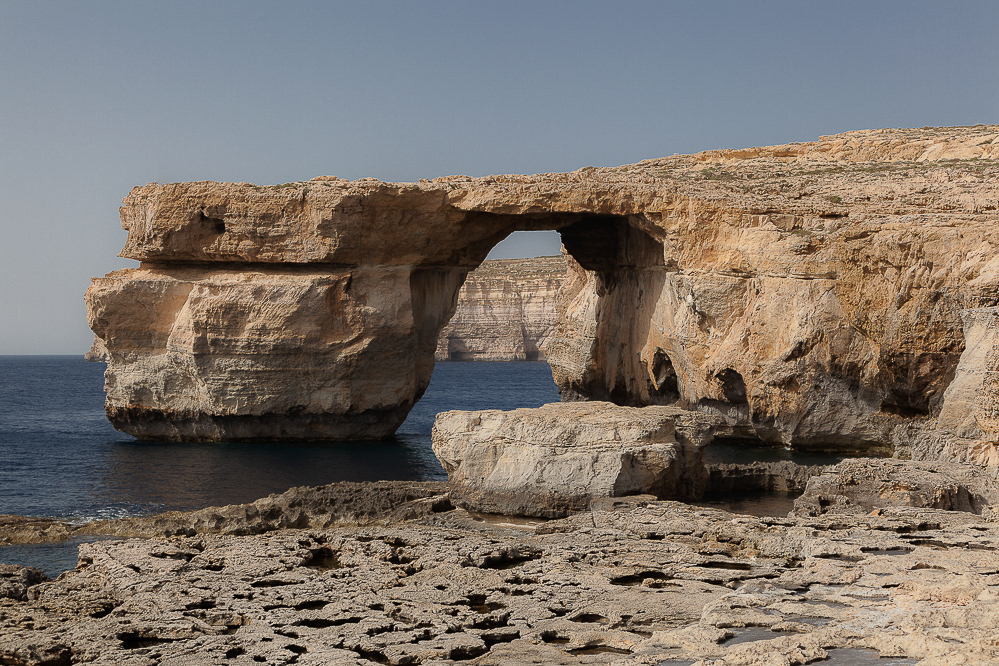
x,y
505,312
810,294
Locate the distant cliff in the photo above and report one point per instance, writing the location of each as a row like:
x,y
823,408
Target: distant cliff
x,y
506,311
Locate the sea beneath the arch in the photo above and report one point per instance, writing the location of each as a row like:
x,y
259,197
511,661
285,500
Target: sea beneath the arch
x,y
60,458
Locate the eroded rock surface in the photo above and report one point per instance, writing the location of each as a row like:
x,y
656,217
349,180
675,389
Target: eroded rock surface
x,y
629,581
506,311
809,293
342,503
551,461
863,484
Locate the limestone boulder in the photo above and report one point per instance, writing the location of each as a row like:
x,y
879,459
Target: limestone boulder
x,y
551,461
864,484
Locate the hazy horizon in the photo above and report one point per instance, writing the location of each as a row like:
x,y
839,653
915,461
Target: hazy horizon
x,y
99,97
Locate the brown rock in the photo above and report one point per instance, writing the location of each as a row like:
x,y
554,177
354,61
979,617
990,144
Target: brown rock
x,y
97,353
810,294
553,460
15,581
628,581
863,484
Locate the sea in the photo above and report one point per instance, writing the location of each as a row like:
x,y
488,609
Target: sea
x,y
60,457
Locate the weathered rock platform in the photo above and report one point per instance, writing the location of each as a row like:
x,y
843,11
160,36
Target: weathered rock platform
x,y
809,293
861,485
629,581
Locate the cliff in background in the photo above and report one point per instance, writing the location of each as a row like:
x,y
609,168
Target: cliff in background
x,y
506,311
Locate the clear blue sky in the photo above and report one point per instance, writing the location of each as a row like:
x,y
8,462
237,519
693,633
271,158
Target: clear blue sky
x,y
96,97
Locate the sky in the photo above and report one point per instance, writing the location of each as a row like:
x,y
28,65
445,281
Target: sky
x,y
97,97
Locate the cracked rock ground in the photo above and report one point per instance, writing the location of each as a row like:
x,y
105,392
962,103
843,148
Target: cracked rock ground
x,y
630,581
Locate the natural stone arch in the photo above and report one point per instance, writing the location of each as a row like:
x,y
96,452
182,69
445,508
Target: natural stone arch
x,y
309,310
312,331
607,245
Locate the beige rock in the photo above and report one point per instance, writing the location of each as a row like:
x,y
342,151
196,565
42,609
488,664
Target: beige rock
x,y
506,311
216,353
629,581
967,428
809,293
553,460
97,353
863,484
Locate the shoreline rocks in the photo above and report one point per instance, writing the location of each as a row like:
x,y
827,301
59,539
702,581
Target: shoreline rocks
x,y
628,581
341,503
553,460
860,485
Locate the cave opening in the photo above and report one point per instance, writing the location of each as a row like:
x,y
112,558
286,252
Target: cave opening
x,y
664,376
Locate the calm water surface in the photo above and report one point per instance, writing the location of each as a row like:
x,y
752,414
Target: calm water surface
x,y
59,456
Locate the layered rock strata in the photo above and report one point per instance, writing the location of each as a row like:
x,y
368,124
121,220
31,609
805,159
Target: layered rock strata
x,y
810,294
629,581
506,311
551,461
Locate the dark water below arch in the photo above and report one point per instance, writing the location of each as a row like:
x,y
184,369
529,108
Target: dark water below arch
x,y
60,458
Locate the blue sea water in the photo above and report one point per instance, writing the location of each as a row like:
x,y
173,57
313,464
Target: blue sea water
x,y
60,458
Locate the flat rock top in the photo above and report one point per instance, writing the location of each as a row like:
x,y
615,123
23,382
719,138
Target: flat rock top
x,y
568,424
913,174
941,161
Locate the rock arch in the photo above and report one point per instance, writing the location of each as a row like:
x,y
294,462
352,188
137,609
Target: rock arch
x,y
311,310
303,312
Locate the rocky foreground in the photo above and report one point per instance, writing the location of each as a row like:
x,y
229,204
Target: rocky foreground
x,y
393,573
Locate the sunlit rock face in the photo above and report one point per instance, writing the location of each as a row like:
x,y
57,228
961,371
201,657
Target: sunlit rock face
x,y
809,294
506,311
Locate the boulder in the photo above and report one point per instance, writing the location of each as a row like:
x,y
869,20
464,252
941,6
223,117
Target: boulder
x,y
15,581
551,461
865,484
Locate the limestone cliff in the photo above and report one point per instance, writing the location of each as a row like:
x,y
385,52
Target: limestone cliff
x,y
811,294
505,312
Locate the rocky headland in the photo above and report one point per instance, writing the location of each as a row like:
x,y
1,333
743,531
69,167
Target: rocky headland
x,y
506,311
833,295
